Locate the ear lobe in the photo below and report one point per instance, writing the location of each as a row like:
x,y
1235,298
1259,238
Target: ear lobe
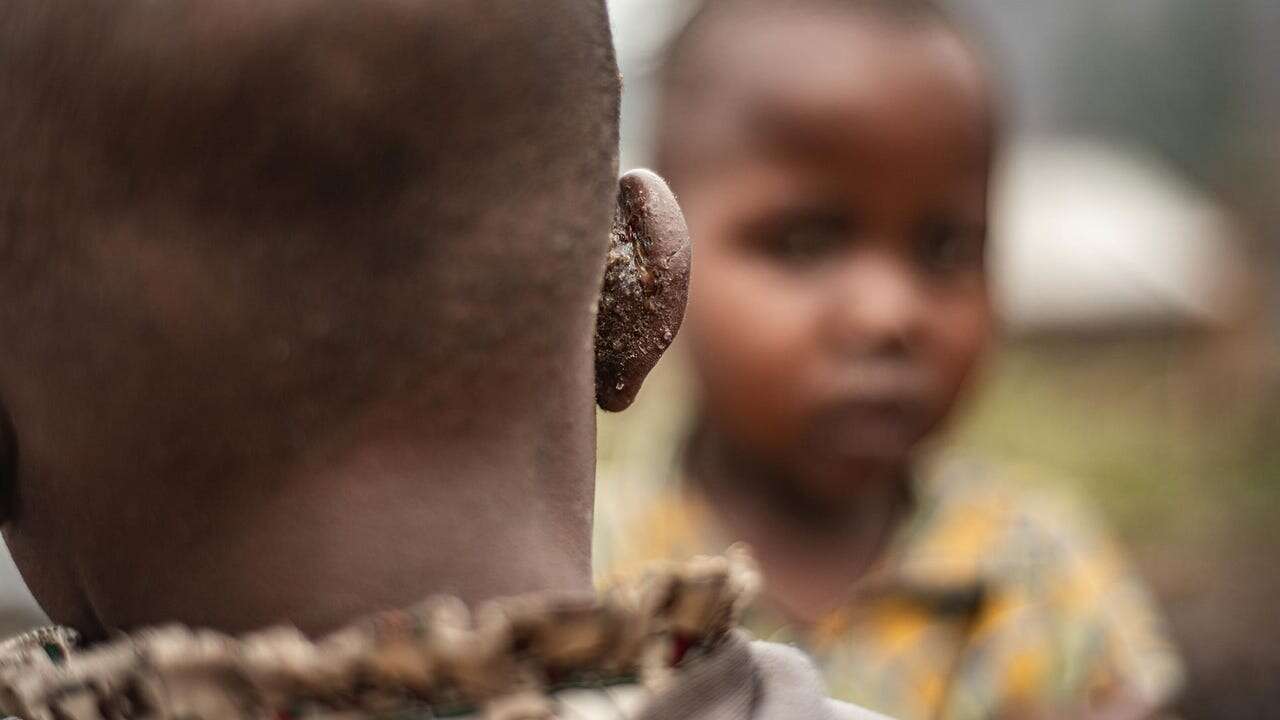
x,y
646,287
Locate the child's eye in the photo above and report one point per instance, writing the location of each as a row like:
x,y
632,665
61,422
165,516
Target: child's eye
x,y
804,239
947,246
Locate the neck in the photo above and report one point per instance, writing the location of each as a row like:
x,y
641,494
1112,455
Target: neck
x,y
784,503
393,523
402,506
812,549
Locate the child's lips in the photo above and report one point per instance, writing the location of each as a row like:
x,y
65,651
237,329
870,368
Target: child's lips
x,y
870,426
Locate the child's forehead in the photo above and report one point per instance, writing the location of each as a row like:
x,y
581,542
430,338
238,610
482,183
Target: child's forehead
x,y
848,58
819,81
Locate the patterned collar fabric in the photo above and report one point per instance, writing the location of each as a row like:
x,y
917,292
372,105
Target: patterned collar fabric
x,y
525,657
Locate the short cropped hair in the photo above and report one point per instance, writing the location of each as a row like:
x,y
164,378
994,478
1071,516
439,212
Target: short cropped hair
x,y
683,77
436,175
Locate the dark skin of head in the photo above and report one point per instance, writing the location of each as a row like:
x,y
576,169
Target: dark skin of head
x,y
297,317
835,172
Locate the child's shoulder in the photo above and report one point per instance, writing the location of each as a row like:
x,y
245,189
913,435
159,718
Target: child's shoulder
x,y
1045,559
1005,516
1014,492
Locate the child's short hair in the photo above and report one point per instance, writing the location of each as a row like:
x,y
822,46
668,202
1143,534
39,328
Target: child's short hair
x,y
713,11
682,75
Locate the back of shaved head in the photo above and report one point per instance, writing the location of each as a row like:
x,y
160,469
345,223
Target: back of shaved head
x,y
381,181
379,136
227,227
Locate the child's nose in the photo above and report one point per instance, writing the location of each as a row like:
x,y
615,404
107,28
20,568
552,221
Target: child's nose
x,y
875,303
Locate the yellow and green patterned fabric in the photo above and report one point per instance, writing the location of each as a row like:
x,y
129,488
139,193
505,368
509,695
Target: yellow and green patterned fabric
x,y
993,600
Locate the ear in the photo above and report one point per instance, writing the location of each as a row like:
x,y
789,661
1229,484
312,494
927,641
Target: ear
x,y
646,286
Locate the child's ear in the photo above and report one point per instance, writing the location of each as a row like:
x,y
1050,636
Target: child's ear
x,y
646,285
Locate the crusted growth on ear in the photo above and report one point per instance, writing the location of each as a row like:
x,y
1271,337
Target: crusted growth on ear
x,y
646,285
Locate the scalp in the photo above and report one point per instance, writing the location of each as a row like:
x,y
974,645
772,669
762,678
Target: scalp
x,y
703,77
280,106
318,201
467,144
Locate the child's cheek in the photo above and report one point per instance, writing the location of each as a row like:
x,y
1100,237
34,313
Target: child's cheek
x,y
960,335
755,347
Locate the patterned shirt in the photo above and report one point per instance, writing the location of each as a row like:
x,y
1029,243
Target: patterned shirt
x,y
991,601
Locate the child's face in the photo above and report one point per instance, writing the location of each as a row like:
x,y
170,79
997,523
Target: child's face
x,y
840,297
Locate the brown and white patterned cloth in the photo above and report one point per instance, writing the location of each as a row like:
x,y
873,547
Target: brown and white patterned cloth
x,y
665,647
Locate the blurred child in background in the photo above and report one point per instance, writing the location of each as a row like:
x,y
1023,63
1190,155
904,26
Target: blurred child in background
x,y
833,159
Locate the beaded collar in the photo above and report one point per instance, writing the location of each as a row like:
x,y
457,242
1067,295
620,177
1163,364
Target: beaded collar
x,y
438,659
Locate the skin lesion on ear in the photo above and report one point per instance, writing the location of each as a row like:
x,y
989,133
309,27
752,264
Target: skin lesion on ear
x,y
645,289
